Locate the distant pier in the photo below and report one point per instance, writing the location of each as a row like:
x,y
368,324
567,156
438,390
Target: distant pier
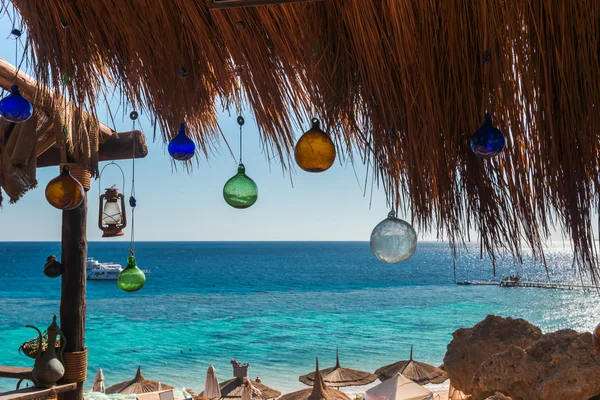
x,y
527,284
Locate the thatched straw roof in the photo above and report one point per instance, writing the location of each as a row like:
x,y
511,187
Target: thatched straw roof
x,y
339,376
139,384
233,389
319,391
403,83
416,371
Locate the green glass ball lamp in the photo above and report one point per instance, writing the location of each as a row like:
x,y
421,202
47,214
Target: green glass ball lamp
x,y
240,191
131,279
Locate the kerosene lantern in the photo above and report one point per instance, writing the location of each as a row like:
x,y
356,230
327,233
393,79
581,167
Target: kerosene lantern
x,y
111,217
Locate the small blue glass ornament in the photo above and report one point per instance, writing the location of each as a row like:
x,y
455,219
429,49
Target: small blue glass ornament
x,y
16,33
181,147
14,107
487,141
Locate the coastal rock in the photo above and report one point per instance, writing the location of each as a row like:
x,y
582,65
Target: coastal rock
x,y
561,365
472,346
498,396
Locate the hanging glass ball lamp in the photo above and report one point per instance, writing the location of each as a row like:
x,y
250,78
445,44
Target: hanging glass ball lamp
x,y
53,268
14,107
131,279
240,191
181,147
487,141
64,192
393,240
315,151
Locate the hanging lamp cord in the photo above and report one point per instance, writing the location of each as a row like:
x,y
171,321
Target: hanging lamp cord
x,y
17,32
240,121
132,201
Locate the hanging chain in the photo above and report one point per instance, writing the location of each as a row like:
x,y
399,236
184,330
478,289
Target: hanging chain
x,y
132,201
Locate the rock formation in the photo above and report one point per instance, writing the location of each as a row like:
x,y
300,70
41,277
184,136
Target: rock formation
x,y
561,365
470,347
498,396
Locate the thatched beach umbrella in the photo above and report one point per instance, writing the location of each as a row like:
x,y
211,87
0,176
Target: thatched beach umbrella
x,y
319,391
234,388
98,382
339,376
139,384
418,372
250,392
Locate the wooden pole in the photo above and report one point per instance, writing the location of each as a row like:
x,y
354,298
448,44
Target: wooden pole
x,y
72,302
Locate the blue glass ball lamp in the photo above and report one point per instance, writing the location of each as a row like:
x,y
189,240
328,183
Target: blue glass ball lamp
x,y
181,147
487,141
14,107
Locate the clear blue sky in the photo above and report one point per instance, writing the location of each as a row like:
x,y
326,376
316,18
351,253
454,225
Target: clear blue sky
x,y
175,205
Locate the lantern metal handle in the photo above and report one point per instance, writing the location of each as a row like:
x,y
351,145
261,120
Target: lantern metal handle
x,y
102,171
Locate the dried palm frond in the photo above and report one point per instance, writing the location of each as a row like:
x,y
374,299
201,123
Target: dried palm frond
x,y
402,83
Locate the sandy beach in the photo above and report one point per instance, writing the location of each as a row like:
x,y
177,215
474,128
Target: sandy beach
x,y
442,393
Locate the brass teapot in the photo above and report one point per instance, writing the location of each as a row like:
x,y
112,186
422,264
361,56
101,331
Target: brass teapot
x,y
48,367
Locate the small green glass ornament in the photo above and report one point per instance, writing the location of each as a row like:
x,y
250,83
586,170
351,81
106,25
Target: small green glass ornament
x,y
131,279
240,191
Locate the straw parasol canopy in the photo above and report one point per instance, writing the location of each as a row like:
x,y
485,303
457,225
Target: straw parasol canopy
x,y
211,386
319,391
234,389
402,83
416,371
339,376
250,392
98,382
139,384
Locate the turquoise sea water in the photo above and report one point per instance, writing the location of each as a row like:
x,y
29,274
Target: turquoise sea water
x,y
276,306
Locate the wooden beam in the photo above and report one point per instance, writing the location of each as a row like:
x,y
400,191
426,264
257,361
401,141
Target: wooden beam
x,y
72,299
32,90
220,4
37,393
15,372
117,147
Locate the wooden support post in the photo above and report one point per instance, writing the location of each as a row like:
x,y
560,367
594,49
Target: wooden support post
x,y
72,302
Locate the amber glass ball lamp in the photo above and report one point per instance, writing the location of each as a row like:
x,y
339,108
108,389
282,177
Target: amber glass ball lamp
x,y
315,151
64,192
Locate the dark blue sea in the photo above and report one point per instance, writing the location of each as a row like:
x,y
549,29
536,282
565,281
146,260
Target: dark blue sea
x,y
277,306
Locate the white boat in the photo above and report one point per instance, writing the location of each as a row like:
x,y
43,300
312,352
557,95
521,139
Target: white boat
x,y
96,270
